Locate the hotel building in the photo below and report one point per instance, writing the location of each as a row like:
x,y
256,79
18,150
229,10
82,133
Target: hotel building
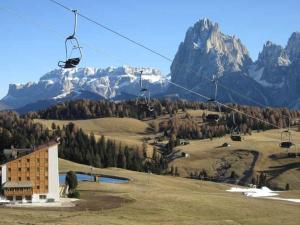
x,y
31,175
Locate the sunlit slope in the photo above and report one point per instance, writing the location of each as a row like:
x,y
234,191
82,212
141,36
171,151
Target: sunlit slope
x,y
127,130
207,154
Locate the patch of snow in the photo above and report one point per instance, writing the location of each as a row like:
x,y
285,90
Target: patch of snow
x,y
256,74
264,192
196,45
63,95
64,202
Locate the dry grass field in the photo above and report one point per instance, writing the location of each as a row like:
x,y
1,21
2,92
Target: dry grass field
x,y
126,130
208,155
152,199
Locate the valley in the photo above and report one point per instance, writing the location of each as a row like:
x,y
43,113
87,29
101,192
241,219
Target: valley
x,y
149,113
255,154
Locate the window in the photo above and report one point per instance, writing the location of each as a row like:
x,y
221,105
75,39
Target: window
x,y
27,169
20,169
9,169
38,187
10,198
43,196
46,159
46,168
28,160
20,178
28,198
46,177
38,160
38,169
38,178
9,178
28,178
46,187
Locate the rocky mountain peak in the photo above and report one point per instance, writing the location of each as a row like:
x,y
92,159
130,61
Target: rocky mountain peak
x,y
293,46
273,55
206,51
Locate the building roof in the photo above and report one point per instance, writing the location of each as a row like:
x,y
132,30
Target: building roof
x,y
21,184
29,151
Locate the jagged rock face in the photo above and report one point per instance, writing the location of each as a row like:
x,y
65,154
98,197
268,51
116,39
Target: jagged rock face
x,y
205,52
277,69
273,55
109,83
293,47
272,80
270,68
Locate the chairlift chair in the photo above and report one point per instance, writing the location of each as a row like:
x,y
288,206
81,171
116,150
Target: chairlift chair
x,y
286,139
143,100
213,118
236,137
72,49
235,134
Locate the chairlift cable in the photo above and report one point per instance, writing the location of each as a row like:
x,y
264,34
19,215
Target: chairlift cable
x,y
114,32
177,85
146,47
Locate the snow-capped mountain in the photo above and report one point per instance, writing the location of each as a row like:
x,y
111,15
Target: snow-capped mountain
x,y
109,83
272,80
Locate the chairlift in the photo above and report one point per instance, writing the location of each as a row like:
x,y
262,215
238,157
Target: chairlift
x,y
143,100
286,137
72,49
235,134
213,117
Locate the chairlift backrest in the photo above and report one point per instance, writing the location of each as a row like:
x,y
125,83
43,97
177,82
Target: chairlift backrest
x,y
213,117
286,144
236,137
72,59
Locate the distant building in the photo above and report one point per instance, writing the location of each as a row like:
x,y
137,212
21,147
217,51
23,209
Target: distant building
x,y
184,142
31,175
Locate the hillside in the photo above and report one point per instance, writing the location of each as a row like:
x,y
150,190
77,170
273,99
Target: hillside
x,y
259,152
126,130
152,199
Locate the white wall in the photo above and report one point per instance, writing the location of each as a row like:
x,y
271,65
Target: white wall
x,y
4,177
53,175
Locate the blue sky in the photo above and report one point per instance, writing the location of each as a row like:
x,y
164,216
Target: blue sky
x,y
32,44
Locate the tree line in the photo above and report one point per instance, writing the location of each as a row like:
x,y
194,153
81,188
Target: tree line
x,y
77,146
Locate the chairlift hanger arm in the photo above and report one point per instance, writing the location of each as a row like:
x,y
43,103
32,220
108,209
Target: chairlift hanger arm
x,y
75,22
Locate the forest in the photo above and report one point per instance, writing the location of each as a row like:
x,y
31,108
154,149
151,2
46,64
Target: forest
x,y
77,146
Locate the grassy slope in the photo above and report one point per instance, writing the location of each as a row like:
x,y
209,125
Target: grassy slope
x,y
205,153
161,200
126,130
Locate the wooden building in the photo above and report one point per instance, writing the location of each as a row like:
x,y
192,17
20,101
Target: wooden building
x,y
31,175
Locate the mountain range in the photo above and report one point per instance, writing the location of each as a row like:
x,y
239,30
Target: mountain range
x,y
115,83
272,80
